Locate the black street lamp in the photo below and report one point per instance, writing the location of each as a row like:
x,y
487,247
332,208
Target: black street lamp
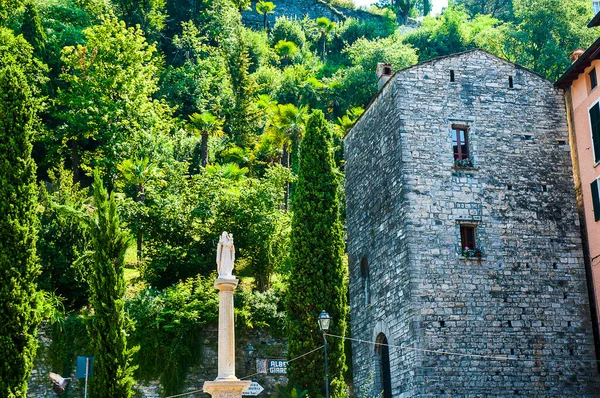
x,y
324,321
249,350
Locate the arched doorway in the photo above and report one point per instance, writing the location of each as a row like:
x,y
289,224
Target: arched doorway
x,y
382,355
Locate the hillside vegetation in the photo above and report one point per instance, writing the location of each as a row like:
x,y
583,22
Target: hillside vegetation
x,y
195,123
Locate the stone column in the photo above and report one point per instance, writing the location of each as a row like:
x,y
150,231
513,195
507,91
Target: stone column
x,y
226,385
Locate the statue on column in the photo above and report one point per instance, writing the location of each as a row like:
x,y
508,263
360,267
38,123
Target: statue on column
x,y
225,256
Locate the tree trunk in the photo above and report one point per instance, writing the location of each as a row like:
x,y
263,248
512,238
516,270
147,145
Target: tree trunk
x,y
75,161
265,20
141,198
285,162
294,162
204,150
323,50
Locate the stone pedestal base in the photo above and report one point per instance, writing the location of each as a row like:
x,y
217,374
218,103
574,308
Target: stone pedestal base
x,y
226,389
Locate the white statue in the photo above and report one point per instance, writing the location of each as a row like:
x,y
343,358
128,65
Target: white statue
x,y
225,256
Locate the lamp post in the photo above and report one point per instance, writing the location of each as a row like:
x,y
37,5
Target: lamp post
x,y
249,356
324,321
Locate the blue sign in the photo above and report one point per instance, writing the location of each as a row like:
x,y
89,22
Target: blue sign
x,y
84,363
276,366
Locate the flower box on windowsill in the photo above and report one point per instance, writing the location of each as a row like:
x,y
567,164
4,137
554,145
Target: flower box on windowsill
x,y
464,164
472,254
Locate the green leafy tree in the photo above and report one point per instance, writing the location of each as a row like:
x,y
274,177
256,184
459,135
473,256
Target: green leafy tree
x,y
264,8
150,15
178,231
62,240
138,173
32,30
447,34
318,275
288,29
426,7
252,213
547,31
502,9
108,103
19,268
201,83
402,8
356,85
243,118
169,329
113,372
9,8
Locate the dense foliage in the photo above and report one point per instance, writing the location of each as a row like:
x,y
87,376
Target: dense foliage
x,y
108,322
197,124
19,267
169,325
318,277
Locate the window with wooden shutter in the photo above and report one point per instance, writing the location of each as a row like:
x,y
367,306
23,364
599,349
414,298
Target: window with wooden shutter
x,y
595,123
460,143
467,237
596,199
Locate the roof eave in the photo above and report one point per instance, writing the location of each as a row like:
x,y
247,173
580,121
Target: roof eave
x,y
578,67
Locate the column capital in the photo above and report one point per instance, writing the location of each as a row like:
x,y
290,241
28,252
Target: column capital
x,y
226,284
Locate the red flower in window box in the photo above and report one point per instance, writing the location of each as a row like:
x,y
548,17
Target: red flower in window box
x,y
466,163
474,252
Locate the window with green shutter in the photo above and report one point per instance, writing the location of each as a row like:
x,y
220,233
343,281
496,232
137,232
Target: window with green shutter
x,y
596,199
595,122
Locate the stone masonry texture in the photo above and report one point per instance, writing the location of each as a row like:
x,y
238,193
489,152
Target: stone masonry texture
x,y
525,300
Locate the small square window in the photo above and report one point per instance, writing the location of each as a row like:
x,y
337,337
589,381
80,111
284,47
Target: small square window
x,y
460,143
451,75
593,79
510,82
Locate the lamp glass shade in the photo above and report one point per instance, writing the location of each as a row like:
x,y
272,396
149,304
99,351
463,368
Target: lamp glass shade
x,y
324,321
250,351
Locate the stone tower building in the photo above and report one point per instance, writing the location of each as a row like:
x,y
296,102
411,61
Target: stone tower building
x,y
463,240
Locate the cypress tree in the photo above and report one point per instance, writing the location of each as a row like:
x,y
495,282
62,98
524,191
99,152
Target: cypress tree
x,y
109,324
318,278
19,299
32,30
242,121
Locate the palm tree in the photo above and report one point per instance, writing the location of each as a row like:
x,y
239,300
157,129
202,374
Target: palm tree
x,y
229,171
345,123
285,49
325,26
264,8
139,172
205,125
286,128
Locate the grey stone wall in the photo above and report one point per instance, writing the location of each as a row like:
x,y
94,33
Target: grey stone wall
x,y
39,385
300,8
526,299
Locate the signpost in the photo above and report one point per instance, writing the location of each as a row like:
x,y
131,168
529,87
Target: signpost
x,y
254,389
276,366
85,369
